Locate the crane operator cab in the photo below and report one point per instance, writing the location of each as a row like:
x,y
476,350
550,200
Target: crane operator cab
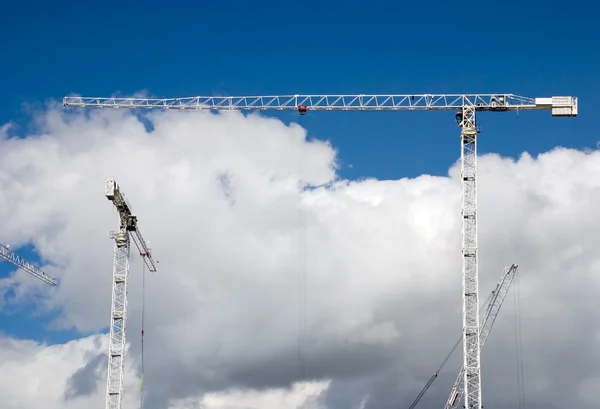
x,y
459,121
459,118
131,223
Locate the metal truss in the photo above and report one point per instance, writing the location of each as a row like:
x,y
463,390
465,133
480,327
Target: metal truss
x,y
471,347
116,348
481,102
466,105
128,229
13,258
492,311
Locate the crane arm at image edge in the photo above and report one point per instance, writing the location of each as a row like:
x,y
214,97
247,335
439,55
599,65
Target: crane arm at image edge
x,y
19,262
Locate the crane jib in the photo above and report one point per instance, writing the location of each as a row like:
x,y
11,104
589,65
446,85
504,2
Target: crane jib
x,y
558,105
18,261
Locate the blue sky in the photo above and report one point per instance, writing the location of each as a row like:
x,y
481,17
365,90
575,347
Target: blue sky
x,y
532,49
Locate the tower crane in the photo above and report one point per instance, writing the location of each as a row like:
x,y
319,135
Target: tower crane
x,y
492,306
13,258
465,106
128,230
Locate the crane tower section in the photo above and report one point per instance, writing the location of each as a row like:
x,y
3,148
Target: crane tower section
x,y
470,294
128,230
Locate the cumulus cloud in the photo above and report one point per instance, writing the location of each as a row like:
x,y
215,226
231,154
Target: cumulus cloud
x,y
229,202
302,394
37,375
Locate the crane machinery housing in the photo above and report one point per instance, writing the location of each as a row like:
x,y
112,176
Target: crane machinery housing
x,y
128,229
465,105
18,261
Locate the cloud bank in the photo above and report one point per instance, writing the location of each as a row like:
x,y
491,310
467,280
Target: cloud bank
x,y
223,200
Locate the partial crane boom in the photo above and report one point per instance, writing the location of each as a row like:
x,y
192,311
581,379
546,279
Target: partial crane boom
x,y
128,228
10,256
467,106
492,310
492,306
560,106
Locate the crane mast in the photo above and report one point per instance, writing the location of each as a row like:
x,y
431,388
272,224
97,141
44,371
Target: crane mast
x,y
470,282
18,261
466,104
128,230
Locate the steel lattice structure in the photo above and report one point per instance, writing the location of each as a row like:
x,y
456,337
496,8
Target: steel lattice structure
x,y
492,307
466,104
481,102
18,261
492,310
471,345
116,350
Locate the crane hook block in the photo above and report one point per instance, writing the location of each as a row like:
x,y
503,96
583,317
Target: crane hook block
x,y
302,109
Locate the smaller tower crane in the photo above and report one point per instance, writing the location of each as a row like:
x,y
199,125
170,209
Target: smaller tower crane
x,y
13,258
128,230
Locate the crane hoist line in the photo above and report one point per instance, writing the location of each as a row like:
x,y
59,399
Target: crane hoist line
x,y
465,106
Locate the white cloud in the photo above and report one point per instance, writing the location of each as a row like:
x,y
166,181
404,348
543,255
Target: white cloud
x,y
34,375
301,395
217,196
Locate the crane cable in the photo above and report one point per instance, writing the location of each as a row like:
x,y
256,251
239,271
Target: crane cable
x,y
302,297
436,373
143,319
519,345
302,280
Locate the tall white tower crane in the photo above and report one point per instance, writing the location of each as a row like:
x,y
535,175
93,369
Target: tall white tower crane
x,y
13,258
467,106
128,229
